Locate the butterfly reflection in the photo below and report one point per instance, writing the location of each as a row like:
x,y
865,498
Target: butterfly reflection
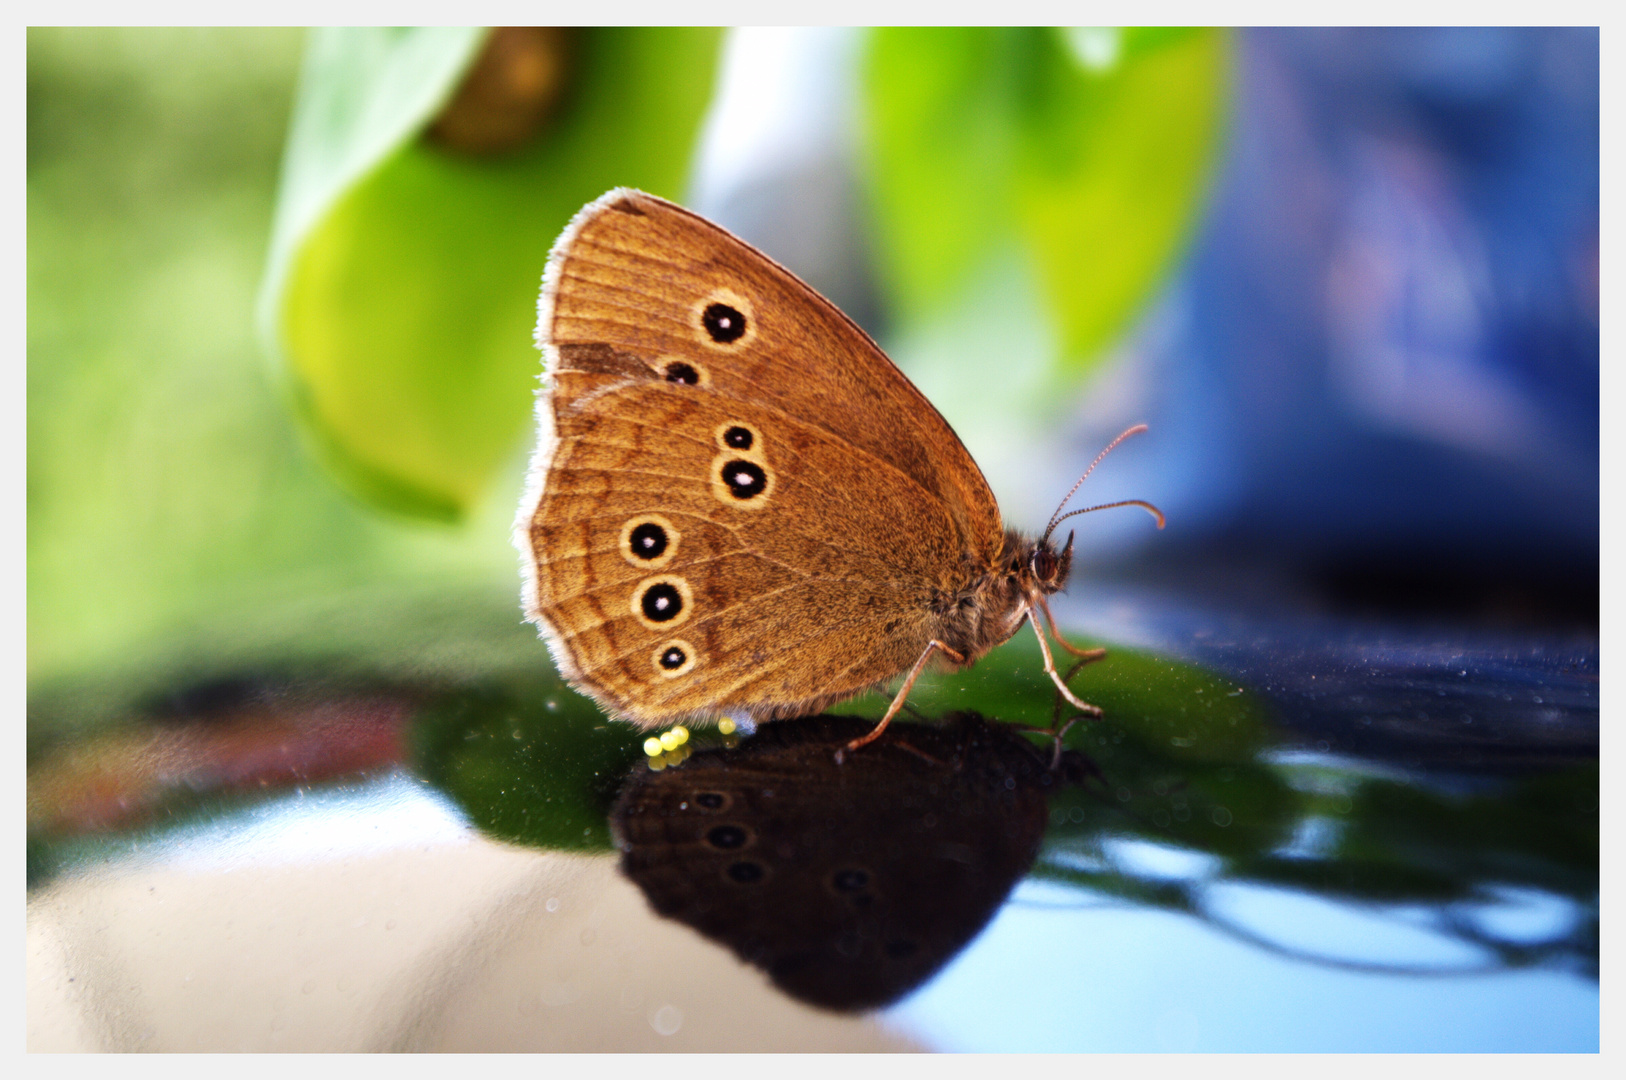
x,y
850,884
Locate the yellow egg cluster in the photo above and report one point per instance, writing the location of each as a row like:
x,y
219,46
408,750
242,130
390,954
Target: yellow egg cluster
x,y
668,748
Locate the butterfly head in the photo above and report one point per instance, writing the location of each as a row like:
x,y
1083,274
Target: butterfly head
x,y
1047,569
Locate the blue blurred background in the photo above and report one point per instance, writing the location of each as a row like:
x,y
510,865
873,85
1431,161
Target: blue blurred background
x,y
1375,369
1382,356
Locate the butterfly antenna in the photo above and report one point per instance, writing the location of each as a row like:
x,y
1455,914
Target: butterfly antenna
x,y
1148,507
1056,518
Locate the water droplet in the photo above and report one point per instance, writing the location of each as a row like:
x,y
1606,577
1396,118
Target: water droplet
x,y
667,1020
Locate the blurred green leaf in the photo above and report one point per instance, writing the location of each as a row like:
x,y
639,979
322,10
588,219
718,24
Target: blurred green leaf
x,y
535,763
530,763
401,291
1185,712
940,139
363,93
1089,146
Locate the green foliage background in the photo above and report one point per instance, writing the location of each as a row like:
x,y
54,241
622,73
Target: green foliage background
x,y
182,519
179,523
1088,151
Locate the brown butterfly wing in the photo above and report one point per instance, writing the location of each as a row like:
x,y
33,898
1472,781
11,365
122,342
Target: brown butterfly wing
x,y
800,502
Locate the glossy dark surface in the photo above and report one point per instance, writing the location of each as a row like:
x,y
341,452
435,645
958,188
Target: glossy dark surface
x,y
1328,816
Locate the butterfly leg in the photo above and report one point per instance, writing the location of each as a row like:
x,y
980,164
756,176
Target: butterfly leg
x,y
1086,655
1055,707
919,753
1056,733
1055,677
902,695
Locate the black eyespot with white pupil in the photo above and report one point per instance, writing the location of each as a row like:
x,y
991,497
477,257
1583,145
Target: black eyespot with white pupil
x,y
738,438
673,658
661,602
723,323
679,372
745,479
648,541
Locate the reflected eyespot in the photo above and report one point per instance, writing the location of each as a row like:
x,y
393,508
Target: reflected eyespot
x,y
674,658
662,601
727,837
712,800
649,541
850,880
746,873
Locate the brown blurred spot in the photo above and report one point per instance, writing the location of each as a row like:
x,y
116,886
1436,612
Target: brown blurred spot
x,y
509,93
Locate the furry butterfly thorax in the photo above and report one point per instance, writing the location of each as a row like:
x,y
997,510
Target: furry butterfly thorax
x,y
738,505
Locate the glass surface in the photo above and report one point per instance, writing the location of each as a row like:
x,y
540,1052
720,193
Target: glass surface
x,y
1381,838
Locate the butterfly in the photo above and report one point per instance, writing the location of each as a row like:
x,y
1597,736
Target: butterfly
x,y
738,505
